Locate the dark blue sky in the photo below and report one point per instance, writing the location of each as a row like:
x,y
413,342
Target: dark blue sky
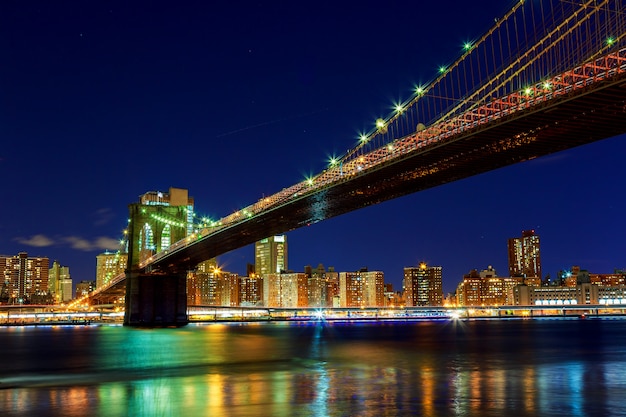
x,y
101,101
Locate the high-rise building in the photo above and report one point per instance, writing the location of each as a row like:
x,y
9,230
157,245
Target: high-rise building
x,y
23,278
423,285
60,283
109,265
323,286
202,284
362,288
288,290
524,255
250,291
270,255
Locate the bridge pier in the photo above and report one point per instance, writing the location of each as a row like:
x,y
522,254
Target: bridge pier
x,y
155,299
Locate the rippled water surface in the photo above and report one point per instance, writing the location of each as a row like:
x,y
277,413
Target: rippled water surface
x,y
564,367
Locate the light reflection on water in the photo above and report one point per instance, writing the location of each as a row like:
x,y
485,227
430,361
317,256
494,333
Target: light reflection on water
x,y
481,368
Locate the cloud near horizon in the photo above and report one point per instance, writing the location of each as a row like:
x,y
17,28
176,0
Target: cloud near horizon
x,y
75,242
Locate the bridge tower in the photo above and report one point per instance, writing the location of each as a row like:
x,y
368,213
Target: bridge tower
x,y
157,297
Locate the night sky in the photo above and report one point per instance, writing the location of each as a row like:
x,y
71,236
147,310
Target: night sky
x,y
101,101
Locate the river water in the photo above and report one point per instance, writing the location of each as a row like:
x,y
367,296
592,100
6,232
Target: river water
x,y
537,367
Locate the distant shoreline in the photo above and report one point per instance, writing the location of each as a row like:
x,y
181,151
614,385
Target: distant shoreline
x,y
342,320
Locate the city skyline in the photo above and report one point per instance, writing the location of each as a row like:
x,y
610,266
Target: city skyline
x,y
103,103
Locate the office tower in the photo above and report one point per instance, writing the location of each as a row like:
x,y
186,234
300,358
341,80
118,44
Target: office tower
x,y
270,255
23,278
109,265
524,256
59,283
423,285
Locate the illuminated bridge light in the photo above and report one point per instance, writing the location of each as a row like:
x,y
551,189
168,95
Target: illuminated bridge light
x,y
547,85
419,91
610,41
442,69
380,123
363,138
467,46
333,161
309,181
399,108
528,91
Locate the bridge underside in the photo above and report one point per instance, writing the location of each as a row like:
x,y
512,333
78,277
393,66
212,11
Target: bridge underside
x,y
585,116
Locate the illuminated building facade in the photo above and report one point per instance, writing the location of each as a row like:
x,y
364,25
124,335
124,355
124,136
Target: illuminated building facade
x,y
585,293
323,286
524,255
288,290
250,291
423,286
270,255
608,280
485,288
83,288
362,289
109,265
557,295
202,284
23,278
60,283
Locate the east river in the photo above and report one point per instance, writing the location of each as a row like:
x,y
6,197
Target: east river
x,y
516,367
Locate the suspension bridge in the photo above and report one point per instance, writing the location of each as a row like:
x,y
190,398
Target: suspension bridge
x,y
548,76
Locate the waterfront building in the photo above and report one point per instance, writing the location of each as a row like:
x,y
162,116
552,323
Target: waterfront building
x,y
468,292
524,255
323,285
362,288
109,265
23,278
209,285
289,290
202,284
229,286
423,285
485,288
270,255
250,291
555,295
585,293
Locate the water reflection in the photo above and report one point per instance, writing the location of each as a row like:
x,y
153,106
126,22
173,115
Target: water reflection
x,y
521,368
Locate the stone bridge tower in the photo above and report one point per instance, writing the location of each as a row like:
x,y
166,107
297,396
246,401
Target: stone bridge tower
x,y
155,297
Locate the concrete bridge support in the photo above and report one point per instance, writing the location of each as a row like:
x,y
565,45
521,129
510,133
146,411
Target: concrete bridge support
x,y
156,299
